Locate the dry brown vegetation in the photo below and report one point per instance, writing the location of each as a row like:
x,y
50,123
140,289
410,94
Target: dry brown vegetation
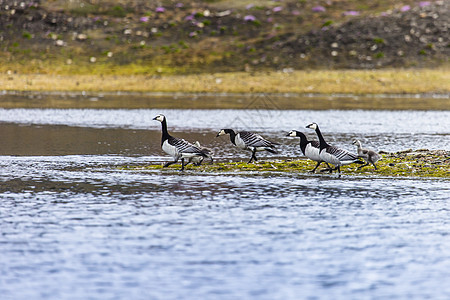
x,y
326,82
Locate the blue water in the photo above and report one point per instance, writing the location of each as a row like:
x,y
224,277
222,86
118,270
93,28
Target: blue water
x,y
74,226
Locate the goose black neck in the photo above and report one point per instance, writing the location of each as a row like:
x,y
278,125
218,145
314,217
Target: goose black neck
x,y
323,144
303,141
232,135
165,133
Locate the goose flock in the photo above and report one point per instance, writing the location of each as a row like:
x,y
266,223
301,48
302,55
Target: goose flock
x,y
318,151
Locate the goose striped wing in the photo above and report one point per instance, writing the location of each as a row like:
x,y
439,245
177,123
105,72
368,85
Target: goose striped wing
x,y
315,144
341,154
254,140
183,146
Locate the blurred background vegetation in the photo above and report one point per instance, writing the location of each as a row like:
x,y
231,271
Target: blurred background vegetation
x,y
182,37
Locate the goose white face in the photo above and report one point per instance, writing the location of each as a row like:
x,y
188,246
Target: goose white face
x,y
292,133
222,132
356,142
313,126
159,118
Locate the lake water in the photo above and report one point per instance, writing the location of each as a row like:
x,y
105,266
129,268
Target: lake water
x,y
74,226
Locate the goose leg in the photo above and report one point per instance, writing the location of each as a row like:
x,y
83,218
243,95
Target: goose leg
x,y
339,170
313,170
374,166
253,156
169,163
329,169
360,167
182,164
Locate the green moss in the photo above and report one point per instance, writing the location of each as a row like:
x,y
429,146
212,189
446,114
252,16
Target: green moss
x,y
379,41
391,165
27,35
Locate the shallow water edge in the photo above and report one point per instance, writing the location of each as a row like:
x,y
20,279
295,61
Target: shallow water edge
x,y
272,101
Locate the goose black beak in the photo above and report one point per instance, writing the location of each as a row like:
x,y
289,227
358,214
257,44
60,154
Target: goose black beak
x,y
218,134
154,118
288,134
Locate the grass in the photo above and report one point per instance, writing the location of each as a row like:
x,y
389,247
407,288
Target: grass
x,y
391,81
422,165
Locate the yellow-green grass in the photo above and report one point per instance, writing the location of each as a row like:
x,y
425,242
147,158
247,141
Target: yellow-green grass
x,y
435,164
391,81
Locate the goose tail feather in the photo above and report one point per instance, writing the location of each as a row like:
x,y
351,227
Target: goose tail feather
x,y
271,150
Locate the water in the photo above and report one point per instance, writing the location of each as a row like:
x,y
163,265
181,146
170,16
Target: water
x,y
74,226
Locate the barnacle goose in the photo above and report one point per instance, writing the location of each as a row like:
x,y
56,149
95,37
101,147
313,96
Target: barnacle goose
x,y
368,155
310,149
197,160
249,141
176,147
334,155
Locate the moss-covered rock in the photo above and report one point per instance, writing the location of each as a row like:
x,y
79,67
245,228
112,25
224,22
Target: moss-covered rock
x,y
408,163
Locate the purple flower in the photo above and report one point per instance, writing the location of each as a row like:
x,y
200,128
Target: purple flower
x,y
318,9
277,8
250,6
269,19
160,9
144,19
189,18
296,12
249,18
424,3
179,5
405,8
351,13
193,34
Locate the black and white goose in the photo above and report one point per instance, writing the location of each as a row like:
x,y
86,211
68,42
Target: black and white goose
x,y
310,149
334,155
176,147
249,141
368,155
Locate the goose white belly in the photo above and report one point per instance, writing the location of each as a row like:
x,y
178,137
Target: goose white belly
x,y
170,149
312,153
189,155
329,158
257,148
239,142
